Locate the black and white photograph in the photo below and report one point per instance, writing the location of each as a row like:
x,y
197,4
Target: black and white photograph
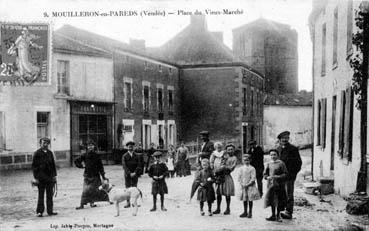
x,y
184,115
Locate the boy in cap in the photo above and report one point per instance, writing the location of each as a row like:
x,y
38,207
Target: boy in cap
x,y
157,171
132,167
290,155
44,172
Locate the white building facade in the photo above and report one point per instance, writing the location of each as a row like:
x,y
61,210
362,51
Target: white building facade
x,y
336,119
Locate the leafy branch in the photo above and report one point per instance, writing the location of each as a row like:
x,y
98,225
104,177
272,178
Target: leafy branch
x,y
356,59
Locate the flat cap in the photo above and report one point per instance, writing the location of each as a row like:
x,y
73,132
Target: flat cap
x,y
206,133
130,143
157,153
45,139
252,142
285,133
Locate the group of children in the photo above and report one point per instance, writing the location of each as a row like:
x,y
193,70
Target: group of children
x,y
211,172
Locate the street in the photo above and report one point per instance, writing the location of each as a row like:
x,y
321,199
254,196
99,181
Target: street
x,y
18,202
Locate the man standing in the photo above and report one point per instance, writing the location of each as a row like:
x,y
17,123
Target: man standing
x,y
290,155
207,147
257,161
44,172
132,168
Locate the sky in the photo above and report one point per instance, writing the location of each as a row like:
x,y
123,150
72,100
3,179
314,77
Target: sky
x,y
156,29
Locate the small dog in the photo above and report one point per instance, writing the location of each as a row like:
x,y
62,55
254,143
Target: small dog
x,y
118,195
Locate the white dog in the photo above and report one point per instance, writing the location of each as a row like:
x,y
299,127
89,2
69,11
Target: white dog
x,y
118,195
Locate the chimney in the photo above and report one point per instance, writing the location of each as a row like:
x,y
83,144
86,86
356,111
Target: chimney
x,y
218,35
137,44
199,22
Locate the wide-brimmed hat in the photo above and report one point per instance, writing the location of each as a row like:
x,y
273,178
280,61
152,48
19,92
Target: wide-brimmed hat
x,y
204,133
130,143
285,133
157,153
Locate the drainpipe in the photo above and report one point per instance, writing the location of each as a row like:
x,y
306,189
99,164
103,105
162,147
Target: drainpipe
x,y
362,175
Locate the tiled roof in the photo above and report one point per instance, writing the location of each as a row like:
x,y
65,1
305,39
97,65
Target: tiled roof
x,y
102,42
194,46
64,44
303,98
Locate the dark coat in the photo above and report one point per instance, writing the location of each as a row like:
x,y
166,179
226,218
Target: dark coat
x,y
158,186
208,149
93,164
131,164
43,166
206,152
257,160
291,157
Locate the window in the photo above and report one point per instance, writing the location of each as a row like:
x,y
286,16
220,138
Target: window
x,y
127,59
335,38
146,98
160,99
244,101
252,103
342,124
128,95
349,27
2,131
347,150
322,120
318,123
63,77
170,100
94,127
42,124
324,33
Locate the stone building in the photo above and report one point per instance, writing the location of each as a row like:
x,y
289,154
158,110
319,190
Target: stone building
x,y
76,98
271,49
145,91
216,93
336,119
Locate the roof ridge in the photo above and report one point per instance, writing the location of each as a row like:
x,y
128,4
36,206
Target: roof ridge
x,y
82,43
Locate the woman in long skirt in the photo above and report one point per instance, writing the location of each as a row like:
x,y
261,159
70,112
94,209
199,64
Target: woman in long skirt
x,y
93,169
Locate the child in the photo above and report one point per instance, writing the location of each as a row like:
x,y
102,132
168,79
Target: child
x,y
217,162
205,191
249,192
170,165
157,172
275,172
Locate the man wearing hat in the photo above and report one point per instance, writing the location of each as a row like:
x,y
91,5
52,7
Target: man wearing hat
x,y
207,147
290,155
44,172
257,161
132,167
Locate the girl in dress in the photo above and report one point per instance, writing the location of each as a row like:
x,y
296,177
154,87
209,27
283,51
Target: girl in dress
x,y
249,192
275,173
157,172
226,187
170,164
205,192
